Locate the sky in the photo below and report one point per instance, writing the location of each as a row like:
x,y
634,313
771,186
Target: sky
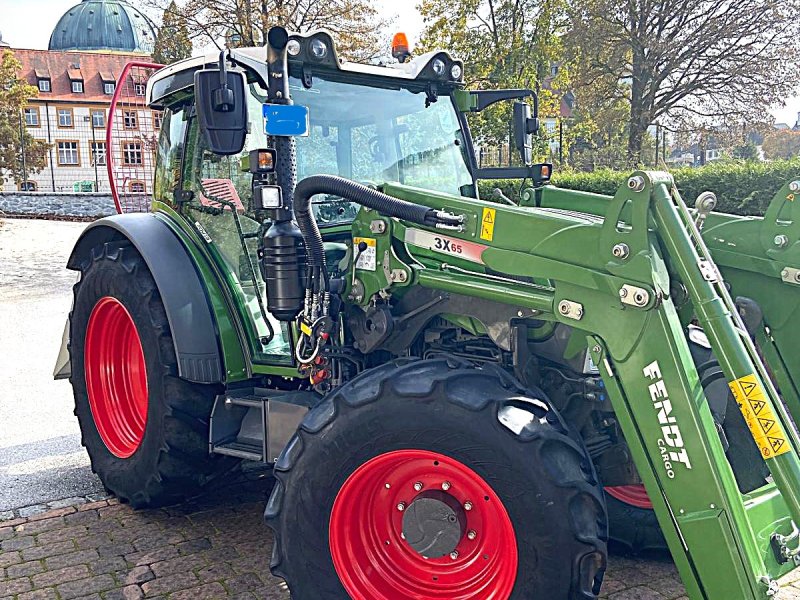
x,y
28,24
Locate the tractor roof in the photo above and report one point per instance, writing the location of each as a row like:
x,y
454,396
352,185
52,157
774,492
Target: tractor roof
x,y
430,69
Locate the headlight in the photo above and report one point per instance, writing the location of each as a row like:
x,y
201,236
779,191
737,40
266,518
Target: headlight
x,y
438,67
319,49
455,71
293,47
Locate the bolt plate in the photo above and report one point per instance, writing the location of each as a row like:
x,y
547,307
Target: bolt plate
x,y
570,310
791,275
634,296
709,271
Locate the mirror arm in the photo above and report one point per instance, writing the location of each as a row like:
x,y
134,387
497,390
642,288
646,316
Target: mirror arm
x,y
486,98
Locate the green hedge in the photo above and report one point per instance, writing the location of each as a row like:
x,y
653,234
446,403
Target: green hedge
x,y
742,188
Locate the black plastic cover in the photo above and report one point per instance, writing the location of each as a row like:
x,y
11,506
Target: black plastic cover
x,y
224,124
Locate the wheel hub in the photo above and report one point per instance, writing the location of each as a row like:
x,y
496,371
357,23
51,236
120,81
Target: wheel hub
x,y
434,524
418,524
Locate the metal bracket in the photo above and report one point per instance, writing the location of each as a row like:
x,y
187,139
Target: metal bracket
x,y
708,270
780,546
570,309
790,275
634,296
393,275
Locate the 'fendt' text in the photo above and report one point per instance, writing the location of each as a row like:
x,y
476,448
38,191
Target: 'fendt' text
x,y
671,444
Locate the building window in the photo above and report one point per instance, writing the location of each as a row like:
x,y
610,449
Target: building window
x,y
139,89
77,87
98,153
158,116
136,187
129,119
108,88
32,116
27,186
68,154
132,154
65,117
98,119
44,85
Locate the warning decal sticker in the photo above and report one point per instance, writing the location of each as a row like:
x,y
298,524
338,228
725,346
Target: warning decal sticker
x,y
487,224
762,422
368,259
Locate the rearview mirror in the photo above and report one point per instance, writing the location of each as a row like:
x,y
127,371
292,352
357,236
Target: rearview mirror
x,y
524,128
221,103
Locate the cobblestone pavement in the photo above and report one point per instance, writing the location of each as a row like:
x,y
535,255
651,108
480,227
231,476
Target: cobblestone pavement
x,y
212,547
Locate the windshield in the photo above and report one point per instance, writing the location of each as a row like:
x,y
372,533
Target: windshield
x,y
376,135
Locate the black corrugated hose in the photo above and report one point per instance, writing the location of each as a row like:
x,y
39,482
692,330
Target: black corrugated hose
x,y
360,194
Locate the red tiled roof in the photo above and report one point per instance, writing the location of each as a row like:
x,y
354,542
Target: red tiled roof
x,y
58,65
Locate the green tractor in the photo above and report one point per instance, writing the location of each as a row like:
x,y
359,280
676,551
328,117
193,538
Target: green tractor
x,y
461,398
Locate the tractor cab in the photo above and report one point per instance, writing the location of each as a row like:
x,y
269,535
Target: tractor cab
x,y
402,124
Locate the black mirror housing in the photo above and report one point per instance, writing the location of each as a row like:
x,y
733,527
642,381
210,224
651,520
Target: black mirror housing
x,y
221,109
525,126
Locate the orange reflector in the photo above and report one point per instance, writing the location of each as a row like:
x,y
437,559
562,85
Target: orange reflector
x,y
265,161
545,171
400,46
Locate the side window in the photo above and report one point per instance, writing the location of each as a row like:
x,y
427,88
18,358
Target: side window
x,y
170,155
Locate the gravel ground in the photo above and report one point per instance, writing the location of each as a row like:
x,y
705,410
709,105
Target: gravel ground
x,y
41,458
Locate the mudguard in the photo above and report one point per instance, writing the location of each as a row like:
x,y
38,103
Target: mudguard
x,y
190,317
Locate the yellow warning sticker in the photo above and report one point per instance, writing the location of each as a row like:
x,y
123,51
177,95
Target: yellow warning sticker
x,y
305,328
487,224
762,422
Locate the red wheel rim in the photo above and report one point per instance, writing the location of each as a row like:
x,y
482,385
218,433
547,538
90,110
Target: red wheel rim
x,y
635,495
375,562
116,377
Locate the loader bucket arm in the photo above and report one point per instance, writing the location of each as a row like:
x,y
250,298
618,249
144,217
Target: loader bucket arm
x,y
559,262
131,138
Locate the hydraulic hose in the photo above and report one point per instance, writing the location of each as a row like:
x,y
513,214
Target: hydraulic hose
x,y
360,194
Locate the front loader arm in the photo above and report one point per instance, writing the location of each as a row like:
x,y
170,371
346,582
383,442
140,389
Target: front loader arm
x,y
609,275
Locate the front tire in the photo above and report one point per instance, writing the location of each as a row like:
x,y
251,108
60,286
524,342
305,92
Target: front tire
x,y
436,479
145,429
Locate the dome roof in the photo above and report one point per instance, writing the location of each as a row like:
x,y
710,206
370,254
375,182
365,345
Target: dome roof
x,y
111,25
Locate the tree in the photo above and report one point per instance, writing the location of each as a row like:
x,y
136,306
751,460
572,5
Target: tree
x,y
678,59
173,42
354,23
15,141
504,44
781,143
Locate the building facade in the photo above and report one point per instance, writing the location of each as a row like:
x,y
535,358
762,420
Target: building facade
x,y
76,79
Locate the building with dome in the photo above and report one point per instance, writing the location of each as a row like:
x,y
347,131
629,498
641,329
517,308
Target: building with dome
x,y
76,78
104,25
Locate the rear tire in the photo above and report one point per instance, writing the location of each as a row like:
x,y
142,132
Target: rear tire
x,y
336,521
145,429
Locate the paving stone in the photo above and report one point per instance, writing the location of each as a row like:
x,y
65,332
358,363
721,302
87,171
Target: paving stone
x,y
82,587
129,592
44,594
46,550
25,569
73,558
18,543
15,586
209,591
10,558
169,584
62,575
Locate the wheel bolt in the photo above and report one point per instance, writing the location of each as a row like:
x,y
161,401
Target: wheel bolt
x,y
467,505
401,506
418,486
454,554
472,534
446,485
388,485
